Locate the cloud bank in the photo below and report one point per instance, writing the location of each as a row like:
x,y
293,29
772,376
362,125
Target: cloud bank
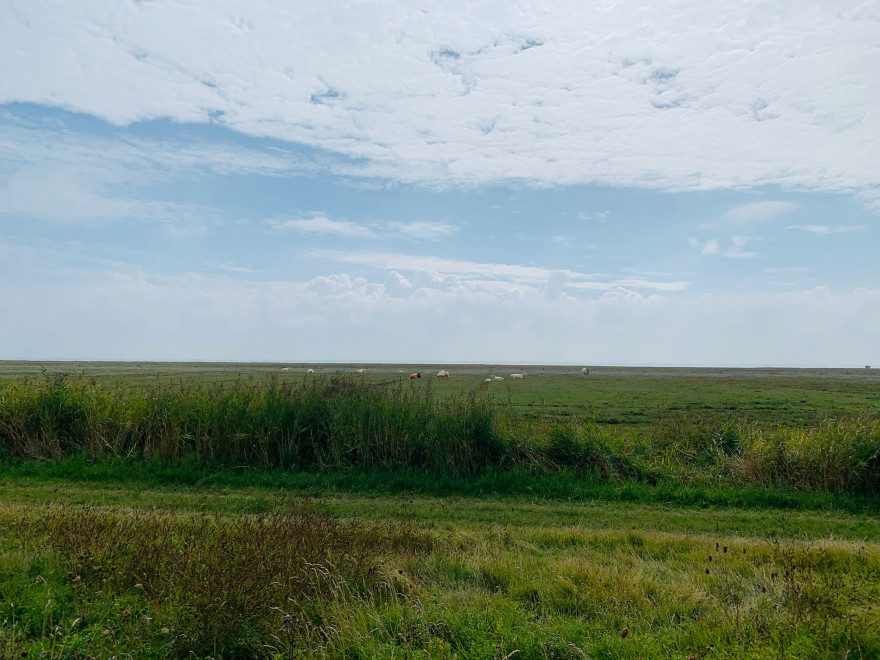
x,y
430,318
692,95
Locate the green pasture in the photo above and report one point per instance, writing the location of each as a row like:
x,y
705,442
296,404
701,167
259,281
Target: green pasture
x,y
148,512
115,570
626,396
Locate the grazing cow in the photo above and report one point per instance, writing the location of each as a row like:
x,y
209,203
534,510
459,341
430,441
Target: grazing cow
x,y
498,378
522,375
310,371
442,374
585,371
488,380
417,374
360,371
285,368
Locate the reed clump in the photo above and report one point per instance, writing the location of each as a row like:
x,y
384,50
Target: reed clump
x,y
331,423
341,423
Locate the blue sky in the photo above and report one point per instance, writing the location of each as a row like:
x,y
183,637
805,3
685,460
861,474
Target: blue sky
x,y
622,183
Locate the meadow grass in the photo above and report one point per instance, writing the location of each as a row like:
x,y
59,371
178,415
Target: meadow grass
x,y
340,423
367,516
428,577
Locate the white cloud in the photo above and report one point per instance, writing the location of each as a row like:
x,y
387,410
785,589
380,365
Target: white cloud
x,y
599,216
321,224
702,97
422,229
231,268
823,230
757,212
340,317
633,283
562,241
470,271
709,246
737,250
406,262
70,196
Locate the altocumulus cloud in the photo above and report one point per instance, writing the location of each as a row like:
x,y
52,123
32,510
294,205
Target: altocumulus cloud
x,y
455,92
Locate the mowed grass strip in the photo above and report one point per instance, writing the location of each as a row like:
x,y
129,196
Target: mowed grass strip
x,y
328,581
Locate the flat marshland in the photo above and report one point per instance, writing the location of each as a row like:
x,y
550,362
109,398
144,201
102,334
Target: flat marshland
x,y
236,511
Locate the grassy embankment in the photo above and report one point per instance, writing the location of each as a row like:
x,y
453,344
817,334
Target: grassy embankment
x,y
220,564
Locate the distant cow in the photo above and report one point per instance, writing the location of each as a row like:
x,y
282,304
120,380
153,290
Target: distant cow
x,y
522,375
310,371
285,368
488,380
498,378
417,374
360,371
442,374
585,371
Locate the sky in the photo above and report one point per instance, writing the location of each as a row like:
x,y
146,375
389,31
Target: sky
x,y
616,182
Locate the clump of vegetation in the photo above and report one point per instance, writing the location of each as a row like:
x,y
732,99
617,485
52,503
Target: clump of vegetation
x,y
340,423
331,423
200,584
839,455
295,582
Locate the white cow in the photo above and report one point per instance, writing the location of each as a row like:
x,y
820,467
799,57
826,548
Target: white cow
x,y
310,371
360,371
488,380
522,375
285,368
498,378
585,371
443,374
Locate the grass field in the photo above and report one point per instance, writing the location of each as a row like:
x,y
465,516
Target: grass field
x,y
611,395
562,551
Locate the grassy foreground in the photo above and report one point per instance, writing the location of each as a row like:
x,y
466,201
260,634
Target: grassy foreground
x,y
197,572
345,517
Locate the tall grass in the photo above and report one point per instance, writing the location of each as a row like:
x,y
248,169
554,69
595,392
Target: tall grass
x,y
224,585
321,424
342,423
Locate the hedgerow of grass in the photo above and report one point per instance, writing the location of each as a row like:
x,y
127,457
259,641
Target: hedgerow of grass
x,y
340,423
